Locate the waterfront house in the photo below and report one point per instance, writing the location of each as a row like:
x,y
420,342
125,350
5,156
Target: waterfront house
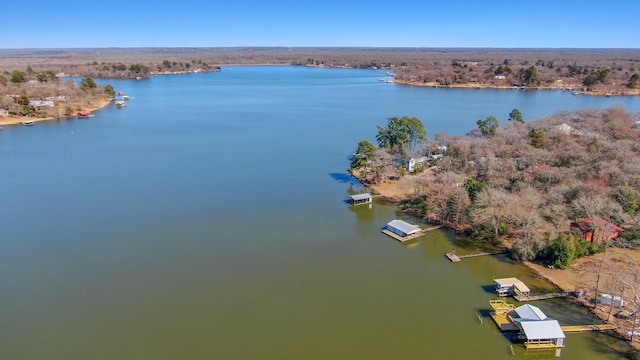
x,y
510,286
595,230
414,162
358,199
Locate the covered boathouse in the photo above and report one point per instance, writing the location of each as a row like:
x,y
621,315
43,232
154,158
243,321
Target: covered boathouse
x,y
533,326
538,331
359,199
510,287
402,231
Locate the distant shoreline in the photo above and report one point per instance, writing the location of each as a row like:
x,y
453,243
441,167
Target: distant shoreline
x,y
630,92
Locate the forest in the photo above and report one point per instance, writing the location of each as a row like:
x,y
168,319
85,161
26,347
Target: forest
x,y
519,184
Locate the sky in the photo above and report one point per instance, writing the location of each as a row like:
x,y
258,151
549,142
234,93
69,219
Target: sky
x,y
330,23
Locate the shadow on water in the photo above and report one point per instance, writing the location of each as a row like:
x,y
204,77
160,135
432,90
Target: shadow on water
x,y
345,178
489,289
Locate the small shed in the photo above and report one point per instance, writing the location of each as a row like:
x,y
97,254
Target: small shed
x,y
615,301
510,286
358,199
402,228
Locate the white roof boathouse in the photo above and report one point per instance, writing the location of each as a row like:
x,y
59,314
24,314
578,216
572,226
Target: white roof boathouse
x,y
539,331
510,287
359,199
402,231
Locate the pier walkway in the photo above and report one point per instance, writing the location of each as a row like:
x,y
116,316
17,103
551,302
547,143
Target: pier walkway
x,y
524,298
456,258
584,328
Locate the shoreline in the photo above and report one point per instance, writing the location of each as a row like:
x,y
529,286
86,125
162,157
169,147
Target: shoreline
x,y
566,280
10,120
475,86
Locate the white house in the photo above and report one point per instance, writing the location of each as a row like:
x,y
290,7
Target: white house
x,y
414,162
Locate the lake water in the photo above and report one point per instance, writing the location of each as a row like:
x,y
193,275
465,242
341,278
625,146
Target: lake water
x,y
207,220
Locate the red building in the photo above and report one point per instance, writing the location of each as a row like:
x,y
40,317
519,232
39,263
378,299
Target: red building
x,y
596,230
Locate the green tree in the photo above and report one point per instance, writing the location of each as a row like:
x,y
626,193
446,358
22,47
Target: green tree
x,y
46,76
88,83
110,90
364,155
400,134
474,187
529,76
589,81
166,64
516,115
139,70
537,138
23,99
633,81
18,77
562,251
489,126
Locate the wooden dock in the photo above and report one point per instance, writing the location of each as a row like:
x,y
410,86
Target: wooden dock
x,y
456,258
585,328
524,298
452,256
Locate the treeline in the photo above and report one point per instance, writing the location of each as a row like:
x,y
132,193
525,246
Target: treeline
x,y
521,183
614,76
608,71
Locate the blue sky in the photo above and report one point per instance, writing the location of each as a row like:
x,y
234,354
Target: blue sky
x,y
418,23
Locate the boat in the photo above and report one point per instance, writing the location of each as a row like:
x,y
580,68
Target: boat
x,y
126,97
84,114
121,103
28,123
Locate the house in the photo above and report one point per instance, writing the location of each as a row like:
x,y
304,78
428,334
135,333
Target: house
x,y
402,228
538,330
595,230
510,286
358,199
84,114
415,162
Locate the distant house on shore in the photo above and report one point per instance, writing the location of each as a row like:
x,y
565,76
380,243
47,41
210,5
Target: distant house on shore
x,y
595,230
415,162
